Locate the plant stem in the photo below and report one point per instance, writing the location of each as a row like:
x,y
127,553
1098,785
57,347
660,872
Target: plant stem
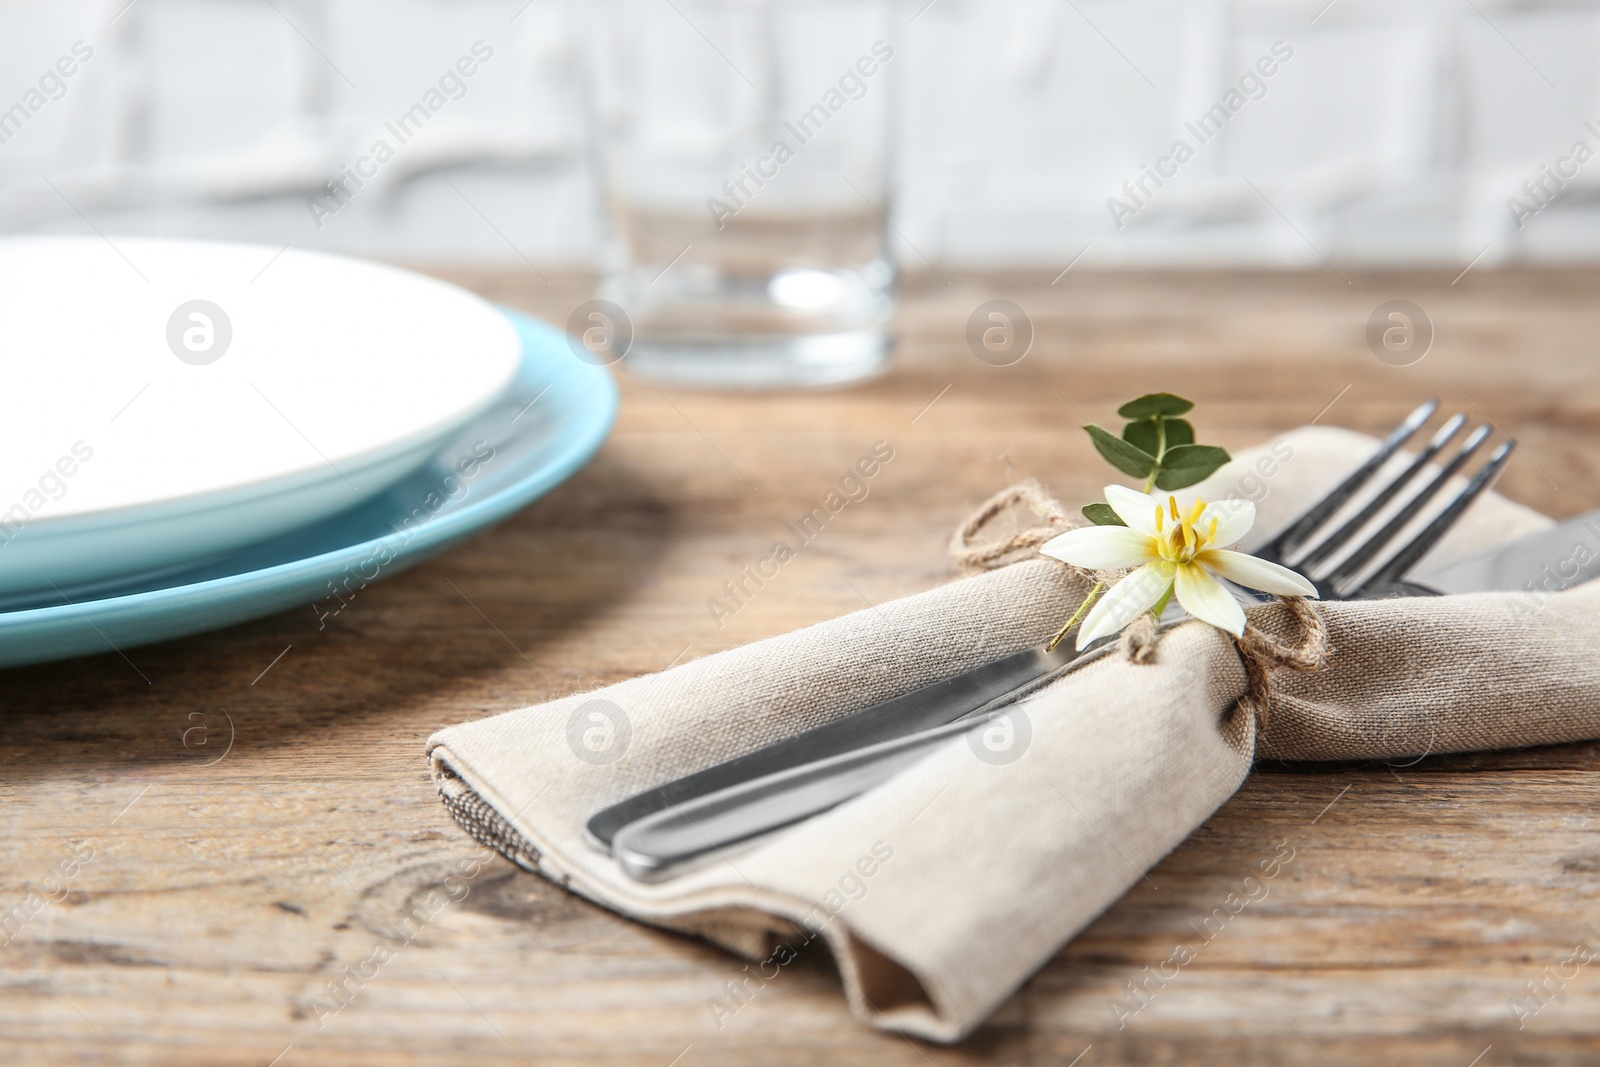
x,y
1161,453
1083,609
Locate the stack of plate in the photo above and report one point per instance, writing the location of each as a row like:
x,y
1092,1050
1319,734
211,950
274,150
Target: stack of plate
x,y
196,434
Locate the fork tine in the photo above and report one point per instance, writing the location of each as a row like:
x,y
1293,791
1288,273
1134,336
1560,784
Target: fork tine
x,y
1364,555
1401,563
1297,532
1341,537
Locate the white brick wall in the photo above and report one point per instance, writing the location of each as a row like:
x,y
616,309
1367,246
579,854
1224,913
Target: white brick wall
x,y
1395,133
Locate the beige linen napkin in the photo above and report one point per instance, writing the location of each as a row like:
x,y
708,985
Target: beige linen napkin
x,y
941,891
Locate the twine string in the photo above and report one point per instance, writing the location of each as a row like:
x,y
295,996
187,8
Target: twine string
x,y
972,556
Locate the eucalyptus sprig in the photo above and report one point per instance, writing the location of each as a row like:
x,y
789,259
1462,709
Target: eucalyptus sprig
x,y
1157,445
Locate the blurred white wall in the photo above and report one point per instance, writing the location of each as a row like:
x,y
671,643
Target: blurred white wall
x,y
1398,131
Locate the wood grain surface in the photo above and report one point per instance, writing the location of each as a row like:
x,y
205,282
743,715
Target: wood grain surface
x,y
205,840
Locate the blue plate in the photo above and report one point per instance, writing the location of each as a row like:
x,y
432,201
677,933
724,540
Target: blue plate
x,y
540,432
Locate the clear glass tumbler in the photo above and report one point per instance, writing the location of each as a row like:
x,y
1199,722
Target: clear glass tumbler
x,y
746,164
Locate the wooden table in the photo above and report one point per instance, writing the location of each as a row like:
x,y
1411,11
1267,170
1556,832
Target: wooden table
x,y
216,890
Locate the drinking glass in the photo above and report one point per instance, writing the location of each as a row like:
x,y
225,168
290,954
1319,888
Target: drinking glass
x,y
746,159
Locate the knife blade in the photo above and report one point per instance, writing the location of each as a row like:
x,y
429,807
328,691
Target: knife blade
x,y
1549,561
1564,556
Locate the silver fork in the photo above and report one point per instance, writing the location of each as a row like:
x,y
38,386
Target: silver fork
x,y
1335,582
804,775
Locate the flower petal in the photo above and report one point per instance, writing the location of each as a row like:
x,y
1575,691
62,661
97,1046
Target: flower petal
x,y
1136,509
1255,573
1234,519
1099,548
1205,598
1127,600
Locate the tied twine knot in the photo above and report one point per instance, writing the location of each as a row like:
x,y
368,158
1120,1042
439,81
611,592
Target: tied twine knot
x,y
1261,652
972,556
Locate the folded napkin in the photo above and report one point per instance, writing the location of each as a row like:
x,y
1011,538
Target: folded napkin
x,y
942,890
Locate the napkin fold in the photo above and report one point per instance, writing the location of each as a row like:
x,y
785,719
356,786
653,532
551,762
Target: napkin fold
x,y
942,890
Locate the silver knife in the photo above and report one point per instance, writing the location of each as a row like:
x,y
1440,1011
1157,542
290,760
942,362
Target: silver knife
x,y
649,846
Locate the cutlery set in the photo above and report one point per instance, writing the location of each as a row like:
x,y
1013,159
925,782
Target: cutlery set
x,y
654,833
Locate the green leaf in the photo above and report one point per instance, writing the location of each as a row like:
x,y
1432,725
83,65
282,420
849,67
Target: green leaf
x,y
1188,464
1102,515
1142,434
1129,459
1153,404
1179,432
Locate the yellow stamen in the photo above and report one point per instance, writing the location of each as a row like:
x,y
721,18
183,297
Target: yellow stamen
x,y
1211,534
1195,512
1172,502
1160,515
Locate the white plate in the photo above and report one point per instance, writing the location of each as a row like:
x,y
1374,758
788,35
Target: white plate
x,y
134,434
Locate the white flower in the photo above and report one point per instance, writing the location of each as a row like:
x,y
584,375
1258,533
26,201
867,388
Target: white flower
x,y
1173,553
